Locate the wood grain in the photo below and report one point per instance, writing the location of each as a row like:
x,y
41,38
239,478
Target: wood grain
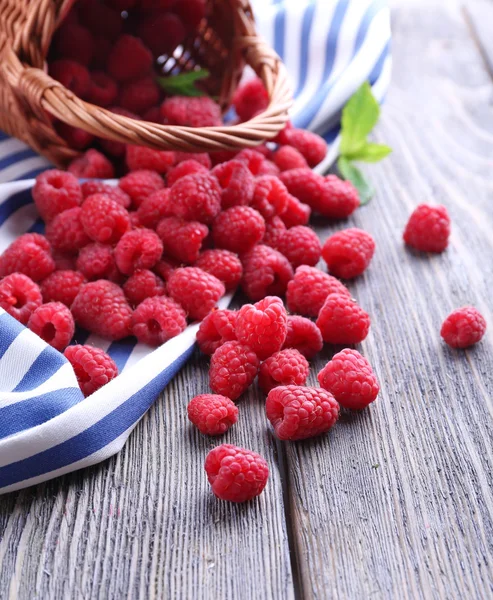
x,y
479,15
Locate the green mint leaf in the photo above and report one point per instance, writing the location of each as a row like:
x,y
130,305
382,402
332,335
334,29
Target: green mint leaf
x,y
183,84
356,177
370,152
359,117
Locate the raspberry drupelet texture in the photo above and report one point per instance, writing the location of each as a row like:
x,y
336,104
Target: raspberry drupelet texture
x,y
342,321
92,367
62,286
236,182
268,168
238,229
288,158
182,240
186,167
54,192
270,197
304,184
348,252
223,264
201,157
140,157
165,267
216,329
196,197
250,99
141,285
54,324
310,145
89,188
262,326
338,199
140,184
197,291
19,296
428,228
97,261
463,327
298,413
304,336
101,308
236,474
191,112
296,213
29,254
66,233
265,272
212,414
103,219
287,367
253,159
92,164
138,249
158,319
233,368
155,207
274,230
129,58
301,246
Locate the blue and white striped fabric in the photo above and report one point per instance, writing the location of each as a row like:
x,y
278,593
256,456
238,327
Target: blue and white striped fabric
x,y
47,428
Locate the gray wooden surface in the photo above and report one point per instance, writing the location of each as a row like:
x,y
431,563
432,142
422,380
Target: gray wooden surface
x,y
397,502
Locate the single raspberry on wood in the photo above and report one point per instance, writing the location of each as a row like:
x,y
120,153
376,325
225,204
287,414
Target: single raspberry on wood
x,y
236,181
89,188
238,229
463,327
62,286
296,213
265,272
287,367
348,252
309,144
97,261
103,219
212,414
196,197
129,58
304,336
19,296
191,112
140,184
140,157
250,99
288,158
72,75
342,321
156,320
197,291
187,167
428,228
301,246
182,240
216,329
92,164
138,249
92,367
54,324
55,191
30,254
274,231
139,95
103,90
155,207
338,199
233,368
224,265
270,197
141,285
298,413
66,233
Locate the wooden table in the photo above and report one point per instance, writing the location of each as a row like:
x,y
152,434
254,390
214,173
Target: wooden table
x,y
396,502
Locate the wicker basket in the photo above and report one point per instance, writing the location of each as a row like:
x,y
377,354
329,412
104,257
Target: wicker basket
x,y
225,42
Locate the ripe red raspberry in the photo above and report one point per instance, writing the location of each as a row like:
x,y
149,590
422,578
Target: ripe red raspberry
x,y
54,192
191,12
155,207
129,58
268,168
100,19
253,160
310,145
298,413
54,324
97,261
342,321
141,184
221,156
270,197
287,158
92,164
141,285
165,267
212,414
66,233
191,112
76,138
236,474
263,326
197,291
196,197
28,254
238,229
216,329
350,379
236,181
428,228
92,367
101,307
156,5
138,249
281,137
89,188
19,296
64,262
234,366
274,231
338,199
309,288
304,184
463,327
72,75
265,272
301,246
182,239
250,99
103,90
151,31
158,319
74,42
348,252
224,265
139,95
140,157
153,115
62,286
304,336
187,167
201,157
103,219
287,367
296,213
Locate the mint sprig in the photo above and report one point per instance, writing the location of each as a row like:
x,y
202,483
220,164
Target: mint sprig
x,y
359,117
183,84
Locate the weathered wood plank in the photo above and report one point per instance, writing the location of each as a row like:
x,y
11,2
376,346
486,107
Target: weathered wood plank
x,y
480,17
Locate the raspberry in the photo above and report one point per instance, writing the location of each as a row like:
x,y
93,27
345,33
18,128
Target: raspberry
x,y
156,320
140,95
28,254
103,219
138,249
196,197
217,328
75,137
252,158
287,367
304,184
141,285
296,213
19,296
274,231
129,58
62,286
234,366
238,229
236,474
155,207
338,199
101,308
121,5
298,413
342,321
212,414
191,112
201,157
66,233
97,261
165,267
281,137
304,336
221,156
187,167
270,197
348,253
54,324
191,12
197,291
103,90
350,379
111,147
92,367
310,145
100,19
262,326
224,265
428,228
250,99
156,5
463,327
89,188
102,49
182,239
237,183
72,75
140,157
301,246
54,192
309,288
153,115
92,164
64,262
151,31
265,272
141,184
268,168
74,42
287,158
